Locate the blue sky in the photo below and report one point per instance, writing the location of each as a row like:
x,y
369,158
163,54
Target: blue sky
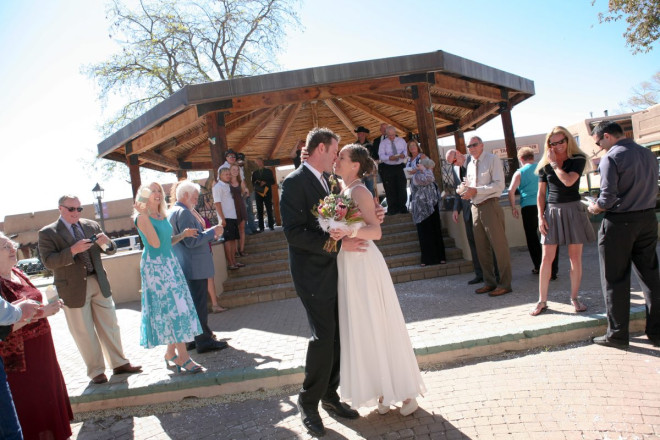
x,y
49,112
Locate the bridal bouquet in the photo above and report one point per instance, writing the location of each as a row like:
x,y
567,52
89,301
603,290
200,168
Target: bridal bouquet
x,y
337,212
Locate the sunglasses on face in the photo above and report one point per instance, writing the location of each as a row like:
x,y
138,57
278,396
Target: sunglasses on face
x,y
563,141
599,141
71,208
473,145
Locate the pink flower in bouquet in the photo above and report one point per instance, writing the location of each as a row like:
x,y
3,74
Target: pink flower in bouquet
x,y
340,211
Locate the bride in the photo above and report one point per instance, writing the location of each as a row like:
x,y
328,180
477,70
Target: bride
x,y
378,365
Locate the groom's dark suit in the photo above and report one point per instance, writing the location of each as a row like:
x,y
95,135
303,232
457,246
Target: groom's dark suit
x,y
314,274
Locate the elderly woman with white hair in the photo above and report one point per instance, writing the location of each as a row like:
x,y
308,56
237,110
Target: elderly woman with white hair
x,y
425,213
168,312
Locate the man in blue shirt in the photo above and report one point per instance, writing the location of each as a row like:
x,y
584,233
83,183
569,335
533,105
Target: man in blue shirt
x,y
629,232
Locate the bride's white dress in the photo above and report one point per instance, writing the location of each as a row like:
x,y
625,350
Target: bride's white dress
x,y
377,357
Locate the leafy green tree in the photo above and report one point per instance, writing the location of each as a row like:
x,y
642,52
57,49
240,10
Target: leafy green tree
x,y
645,95
643,18
168,44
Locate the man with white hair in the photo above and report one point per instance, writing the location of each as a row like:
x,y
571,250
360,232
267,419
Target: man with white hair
x,y
195,258
392,152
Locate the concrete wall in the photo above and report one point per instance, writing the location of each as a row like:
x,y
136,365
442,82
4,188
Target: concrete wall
x,y
646,125
123,271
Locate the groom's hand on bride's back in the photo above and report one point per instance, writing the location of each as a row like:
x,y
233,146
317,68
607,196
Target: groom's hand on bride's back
x,y
353,244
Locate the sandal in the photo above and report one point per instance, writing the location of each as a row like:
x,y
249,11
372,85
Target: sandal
x,y
218,309
232,267
541,307
167,361
239,265
242,254
579,307
196,368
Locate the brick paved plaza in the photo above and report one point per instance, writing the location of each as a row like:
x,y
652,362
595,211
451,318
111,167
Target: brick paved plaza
x,y
575,391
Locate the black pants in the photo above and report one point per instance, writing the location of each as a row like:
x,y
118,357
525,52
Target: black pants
x,y
626,240
323,351
199,291
530,221
429,232
394,183
268,201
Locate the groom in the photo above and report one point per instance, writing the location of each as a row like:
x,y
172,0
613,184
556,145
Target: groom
x,y
314,274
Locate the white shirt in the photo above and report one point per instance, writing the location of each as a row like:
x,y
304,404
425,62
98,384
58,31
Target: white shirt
x,y
487,176
385,150
222,194
319,175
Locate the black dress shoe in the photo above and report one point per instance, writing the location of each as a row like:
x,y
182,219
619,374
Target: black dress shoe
x,y
476,280
211,346
655,340
191,346
311,420
101,378
609,342
340,408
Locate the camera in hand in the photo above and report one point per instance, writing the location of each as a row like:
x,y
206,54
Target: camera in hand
x,y
95,237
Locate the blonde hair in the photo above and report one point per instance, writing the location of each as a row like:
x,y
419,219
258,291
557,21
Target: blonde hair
x,y
238,176
572,149
162,207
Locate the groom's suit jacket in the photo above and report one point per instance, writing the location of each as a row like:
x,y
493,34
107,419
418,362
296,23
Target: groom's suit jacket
x,y
314,271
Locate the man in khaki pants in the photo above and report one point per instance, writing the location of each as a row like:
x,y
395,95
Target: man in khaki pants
x,y
485,180
67,248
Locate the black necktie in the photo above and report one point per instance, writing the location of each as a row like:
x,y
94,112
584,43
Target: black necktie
x,y
84,256
462,173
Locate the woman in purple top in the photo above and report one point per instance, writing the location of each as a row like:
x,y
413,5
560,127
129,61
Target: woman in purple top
x,y
562,216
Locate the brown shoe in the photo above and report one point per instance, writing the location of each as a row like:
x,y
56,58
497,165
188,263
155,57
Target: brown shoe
x,y
101,378
127,369
485,289
498,292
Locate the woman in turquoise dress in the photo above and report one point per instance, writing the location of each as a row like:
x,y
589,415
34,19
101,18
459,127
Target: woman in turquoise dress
x,y
168,312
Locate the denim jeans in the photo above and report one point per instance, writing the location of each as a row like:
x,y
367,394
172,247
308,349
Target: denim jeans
x,y
10,429
250,226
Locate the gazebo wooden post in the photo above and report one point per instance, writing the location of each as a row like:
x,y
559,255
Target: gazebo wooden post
x,y
133,169
181,174
509,141
215,126
459,141
421,94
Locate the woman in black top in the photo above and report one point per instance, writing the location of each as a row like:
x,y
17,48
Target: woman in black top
x,y
563,218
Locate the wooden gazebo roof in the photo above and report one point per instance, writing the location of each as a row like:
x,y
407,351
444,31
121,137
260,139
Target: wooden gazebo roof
x,y
265,115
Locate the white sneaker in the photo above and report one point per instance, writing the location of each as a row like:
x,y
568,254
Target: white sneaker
x,y
409,408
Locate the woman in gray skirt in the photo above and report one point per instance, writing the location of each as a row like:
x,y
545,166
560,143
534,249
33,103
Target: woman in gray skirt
x,y
563,218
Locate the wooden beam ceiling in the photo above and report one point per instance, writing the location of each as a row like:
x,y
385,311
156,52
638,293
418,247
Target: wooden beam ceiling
x,y
340,114
168,129
375,114
281,135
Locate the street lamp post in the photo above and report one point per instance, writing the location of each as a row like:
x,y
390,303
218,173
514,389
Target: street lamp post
x,y
98,193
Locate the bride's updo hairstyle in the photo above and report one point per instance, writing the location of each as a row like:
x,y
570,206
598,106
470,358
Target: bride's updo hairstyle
x,y
358,153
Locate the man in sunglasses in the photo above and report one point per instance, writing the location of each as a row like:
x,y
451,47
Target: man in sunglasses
x,y
68,249
485,183
628,234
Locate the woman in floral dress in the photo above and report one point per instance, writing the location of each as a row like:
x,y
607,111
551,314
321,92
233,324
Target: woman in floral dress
x,y
168,313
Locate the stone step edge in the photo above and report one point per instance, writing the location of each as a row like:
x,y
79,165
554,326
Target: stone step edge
x,y
199,385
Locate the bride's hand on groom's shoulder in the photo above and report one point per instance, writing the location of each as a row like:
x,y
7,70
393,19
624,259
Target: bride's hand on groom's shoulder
x,y
353,244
